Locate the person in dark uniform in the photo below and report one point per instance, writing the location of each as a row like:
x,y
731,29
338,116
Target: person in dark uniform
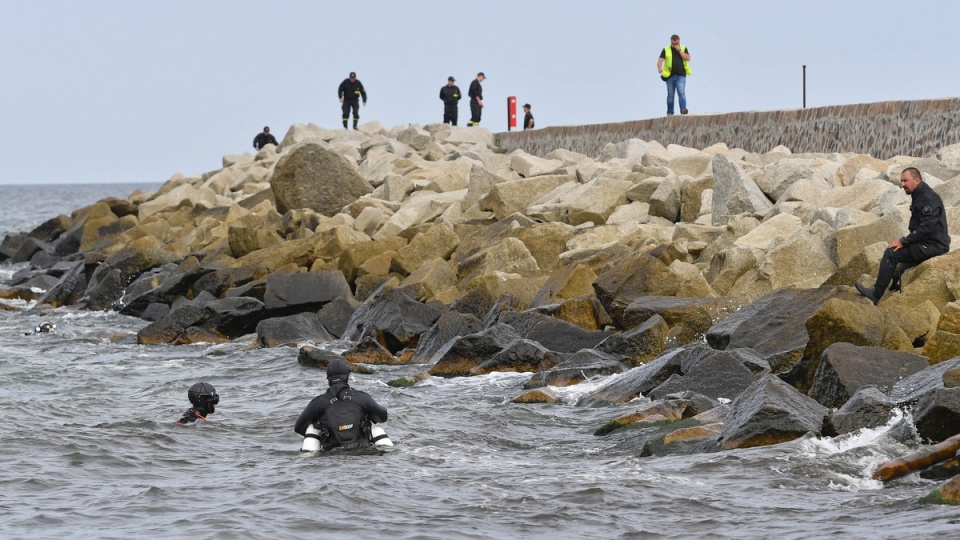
x,y
527,117
450,95
263,139
350,92
928,236
476,99
342,414
203,396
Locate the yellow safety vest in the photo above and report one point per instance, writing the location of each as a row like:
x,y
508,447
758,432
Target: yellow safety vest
x,y
668,61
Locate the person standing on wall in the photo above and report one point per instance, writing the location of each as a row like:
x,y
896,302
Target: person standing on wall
x,y
350,92
527,117
674,67
450,95
476,99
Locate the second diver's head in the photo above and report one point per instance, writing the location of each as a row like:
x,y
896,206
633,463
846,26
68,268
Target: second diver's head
x,y
338,371
203,396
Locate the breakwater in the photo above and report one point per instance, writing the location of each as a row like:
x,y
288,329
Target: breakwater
x,y
883,130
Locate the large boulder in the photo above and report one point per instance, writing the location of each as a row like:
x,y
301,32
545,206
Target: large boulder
x,y
625,279
641,380
937,414
466,353
770,411
450,325
522,355
576,369
723,374
734,192
689,318
846,368
304,291
640,344
393,318
291,330
554,334
313,177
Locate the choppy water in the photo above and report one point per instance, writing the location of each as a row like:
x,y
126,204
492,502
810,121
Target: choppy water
x,y
89,448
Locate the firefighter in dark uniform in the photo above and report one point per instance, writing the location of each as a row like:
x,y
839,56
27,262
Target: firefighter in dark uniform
x,y
476,99
928,236
527,117
350,92
450,95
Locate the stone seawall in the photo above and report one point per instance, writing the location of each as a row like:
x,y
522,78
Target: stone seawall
x,y
883,130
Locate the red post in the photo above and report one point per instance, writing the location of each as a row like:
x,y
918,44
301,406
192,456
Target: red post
x,y
511,112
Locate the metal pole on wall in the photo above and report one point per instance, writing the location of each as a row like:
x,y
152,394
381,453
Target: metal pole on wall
x,y
804,86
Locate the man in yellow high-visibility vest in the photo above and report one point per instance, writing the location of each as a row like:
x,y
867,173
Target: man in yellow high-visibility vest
x,y
673,66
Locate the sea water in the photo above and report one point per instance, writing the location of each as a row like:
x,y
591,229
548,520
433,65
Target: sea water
x,y
89,448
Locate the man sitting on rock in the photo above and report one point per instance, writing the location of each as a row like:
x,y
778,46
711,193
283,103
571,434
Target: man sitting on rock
x,y
928,236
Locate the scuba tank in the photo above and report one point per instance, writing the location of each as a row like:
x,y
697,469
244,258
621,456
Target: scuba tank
x,y
379,437
311,441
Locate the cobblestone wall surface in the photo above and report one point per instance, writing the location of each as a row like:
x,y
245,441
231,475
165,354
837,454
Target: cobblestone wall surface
x,y
883,130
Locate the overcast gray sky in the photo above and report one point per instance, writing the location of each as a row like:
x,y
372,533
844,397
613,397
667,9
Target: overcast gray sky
x,y
137,90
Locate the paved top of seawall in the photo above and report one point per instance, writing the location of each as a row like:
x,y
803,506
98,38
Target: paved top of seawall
x,y
883,130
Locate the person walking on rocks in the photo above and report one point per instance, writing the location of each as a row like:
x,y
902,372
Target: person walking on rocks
x,y
350,92
928,236
450,95
264,138
527,117
674,66
476,99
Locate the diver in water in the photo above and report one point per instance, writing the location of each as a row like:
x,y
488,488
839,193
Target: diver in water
x,y
341,417
203,396
44,328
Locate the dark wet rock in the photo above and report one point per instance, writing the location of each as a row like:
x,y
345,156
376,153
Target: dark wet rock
x,y
640,344
467,352
937,414
774,325
683,438
369,351
505,303
722,375
336,314
69,288
868,408
106,292
625,279
164,285
692,317
948,493
771,411
480,302
540,395
394,318
313,177
155,311
254,289
911,389
450,325
581,366
585,312
28,248
674,408
641,380
944,470
522,355
409,380
229,317
554,334
218,281
290,330
51,229
857,323
305,291
321,358
32,288
42,259
194,334
845,368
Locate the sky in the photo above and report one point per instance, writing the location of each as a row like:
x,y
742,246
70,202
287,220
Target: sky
x,y
132,91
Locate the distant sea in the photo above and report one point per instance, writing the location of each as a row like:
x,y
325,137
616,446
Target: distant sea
x,y
89,448
23,207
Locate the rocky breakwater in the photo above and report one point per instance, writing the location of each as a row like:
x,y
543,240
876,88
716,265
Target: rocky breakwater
x,y
714,283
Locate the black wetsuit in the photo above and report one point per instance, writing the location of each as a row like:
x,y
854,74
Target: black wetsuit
x,y
351,92
191,415
928,238
475,93
370,411
263,139
451,97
